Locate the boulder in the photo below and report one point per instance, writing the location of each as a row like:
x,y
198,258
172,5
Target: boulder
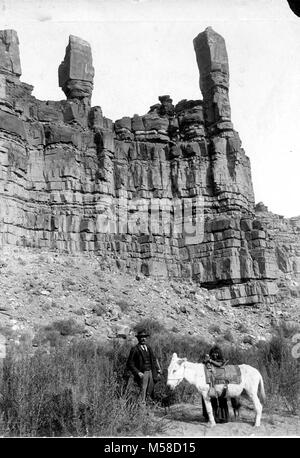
x,y
12,124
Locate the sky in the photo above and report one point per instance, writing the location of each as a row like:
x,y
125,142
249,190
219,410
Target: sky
x,y
144,48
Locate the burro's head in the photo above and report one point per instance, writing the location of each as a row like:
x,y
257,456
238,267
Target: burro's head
x,y
175,371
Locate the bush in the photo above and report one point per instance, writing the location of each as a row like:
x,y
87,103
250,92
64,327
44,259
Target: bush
x,y
55,332
228,336
248,340
286,329
280,371
49,335
124,305
72,391
68,327
150,325
242,328
214,329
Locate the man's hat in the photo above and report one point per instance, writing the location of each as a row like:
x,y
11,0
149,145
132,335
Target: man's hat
x,y
142,333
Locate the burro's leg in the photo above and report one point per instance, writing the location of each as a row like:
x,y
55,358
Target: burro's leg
x,y
251,378
257,407
209,409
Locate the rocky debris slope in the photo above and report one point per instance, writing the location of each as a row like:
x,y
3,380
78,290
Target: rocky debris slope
x,y
39,288
167,194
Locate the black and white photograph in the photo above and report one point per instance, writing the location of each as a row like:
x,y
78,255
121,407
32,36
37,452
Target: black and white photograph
x,y
149,222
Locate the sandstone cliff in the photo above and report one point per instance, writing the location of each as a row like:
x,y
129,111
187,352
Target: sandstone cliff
x,y
168,194
286,235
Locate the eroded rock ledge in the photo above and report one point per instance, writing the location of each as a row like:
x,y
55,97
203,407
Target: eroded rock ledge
x,y
71,179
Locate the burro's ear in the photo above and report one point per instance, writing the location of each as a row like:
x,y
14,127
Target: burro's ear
x,y
174,355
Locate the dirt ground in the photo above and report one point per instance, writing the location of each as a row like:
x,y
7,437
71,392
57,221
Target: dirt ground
x,y
186,420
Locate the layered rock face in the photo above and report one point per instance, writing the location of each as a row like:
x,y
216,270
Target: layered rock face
x,y
167,194
286,235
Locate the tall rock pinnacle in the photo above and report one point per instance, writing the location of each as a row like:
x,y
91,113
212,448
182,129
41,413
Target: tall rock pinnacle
x,y
213,66
76,72
9,53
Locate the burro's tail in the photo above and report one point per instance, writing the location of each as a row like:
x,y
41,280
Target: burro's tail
x,y
262,388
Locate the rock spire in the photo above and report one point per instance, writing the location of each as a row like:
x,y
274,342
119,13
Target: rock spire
x,y
76,72
213,66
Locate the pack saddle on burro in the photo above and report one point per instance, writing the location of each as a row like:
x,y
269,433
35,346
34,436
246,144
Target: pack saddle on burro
x,y
246,379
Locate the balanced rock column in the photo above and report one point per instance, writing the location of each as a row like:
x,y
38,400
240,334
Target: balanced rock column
x,y
213,66
76,72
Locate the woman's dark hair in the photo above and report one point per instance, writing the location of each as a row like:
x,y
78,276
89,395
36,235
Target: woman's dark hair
x,y
216,349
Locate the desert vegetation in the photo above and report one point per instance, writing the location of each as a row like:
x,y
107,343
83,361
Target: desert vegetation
x,y
74,386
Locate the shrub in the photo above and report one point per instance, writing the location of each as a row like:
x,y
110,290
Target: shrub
x,y
280,371
214,329
69,283
248,340
228,336
242,328
286,329
150,325
56,331
68,327
6,331
72,391
124,305
47,335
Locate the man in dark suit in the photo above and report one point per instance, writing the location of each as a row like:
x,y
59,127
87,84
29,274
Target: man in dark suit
x,y
144,365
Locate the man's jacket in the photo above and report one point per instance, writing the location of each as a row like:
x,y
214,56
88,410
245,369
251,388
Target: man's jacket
x,y
136,361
